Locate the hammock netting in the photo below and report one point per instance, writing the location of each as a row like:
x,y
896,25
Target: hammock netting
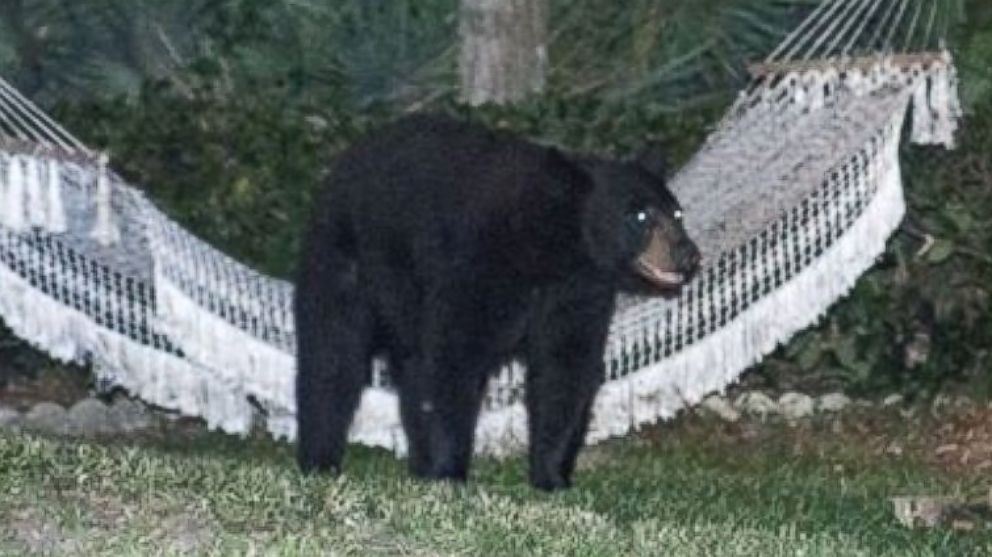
x,y
791,199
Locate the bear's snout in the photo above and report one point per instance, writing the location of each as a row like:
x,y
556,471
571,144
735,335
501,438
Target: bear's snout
x,y
688,258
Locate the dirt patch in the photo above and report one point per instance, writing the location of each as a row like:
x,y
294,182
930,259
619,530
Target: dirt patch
x,y
956,441
177,529
185,533
963,443
61,386
29,532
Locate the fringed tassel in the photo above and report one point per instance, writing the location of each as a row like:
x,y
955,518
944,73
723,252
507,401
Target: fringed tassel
x,y
798,92
12,211
35,197
945,105
814,88
56,212
858,82
821,85
105,232
945,121
936,106
922,133
4,186
953,94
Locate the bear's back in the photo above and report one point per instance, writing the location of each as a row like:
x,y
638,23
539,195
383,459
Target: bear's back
x,y
435,165
426,176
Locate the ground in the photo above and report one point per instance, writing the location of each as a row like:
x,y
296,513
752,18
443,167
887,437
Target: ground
x,y
21,389
692,486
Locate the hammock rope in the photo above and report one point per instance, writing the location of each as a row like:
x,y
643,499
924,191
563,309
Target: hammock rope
x,y
791,198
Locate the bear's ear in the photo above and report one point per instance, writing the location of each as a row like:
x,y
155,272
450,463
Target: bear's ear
x,y
652,158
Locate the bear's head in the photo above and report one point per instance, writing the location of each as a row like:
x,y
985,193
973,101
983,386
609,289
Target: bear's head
x,y
633,225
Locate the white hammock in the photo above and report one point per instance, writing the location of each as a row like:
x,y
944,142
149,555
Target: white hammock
x,y
791,199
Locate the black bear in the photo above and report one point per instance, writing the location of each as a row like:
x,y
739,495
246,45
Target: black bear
x,y
451,249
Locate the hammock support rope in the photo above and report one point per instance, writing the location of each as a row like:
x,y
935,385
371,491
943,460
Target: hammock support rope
x,y
791,198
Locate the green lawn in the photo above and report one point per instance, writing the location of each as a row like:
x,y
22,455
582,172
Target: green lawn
x,y
664,494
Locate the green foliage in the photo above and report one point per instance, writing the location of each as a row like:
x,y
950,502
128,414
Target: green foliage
x,y
675,53
397,50
974,57
102,49
240,175
58,49
682,51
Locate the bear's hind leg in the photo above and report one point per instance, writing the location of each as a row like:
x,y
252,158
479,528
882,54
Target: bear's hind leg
x,y
439,407
458,395
412,395
334,334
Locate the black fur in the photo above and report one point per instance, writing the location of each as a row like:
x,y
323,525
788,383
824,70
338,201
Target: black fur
x,y
450,250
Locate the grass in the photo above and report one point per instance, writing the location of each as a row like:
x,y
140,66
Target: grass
x,y
684,492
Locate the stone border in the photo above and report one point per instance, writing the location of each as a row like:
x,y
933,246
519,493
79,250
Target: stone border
x,y
793,405
92,417
86,418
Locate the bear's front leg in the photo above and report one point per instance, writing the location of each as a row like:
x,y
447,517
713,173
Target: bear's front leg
x,y
565,371
558,418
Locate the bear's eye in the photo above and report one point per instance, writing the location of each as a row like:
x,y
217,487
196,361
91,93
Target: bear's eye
x,y
678,214
641,216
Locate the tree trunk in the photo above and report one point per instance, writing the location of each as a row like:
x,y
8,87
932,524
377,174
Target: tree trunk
x,y
503,53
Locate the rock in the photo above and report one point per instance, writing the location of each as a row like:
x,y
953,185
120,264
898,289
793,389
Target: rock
x,y
894,399
594,457
130,415
48,417
921,512
917,352
941,402
948,402
9,418
833,402
90,417
946,448
837,427
795,406
720,407
964,402
317,122
962,525
756,402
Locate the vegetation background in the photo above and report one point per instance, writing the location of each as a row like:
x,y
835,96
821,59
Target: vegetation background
x,y
228,111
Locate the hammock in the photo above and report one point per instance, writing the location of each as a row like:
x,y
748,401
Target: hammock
x,y
791,199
